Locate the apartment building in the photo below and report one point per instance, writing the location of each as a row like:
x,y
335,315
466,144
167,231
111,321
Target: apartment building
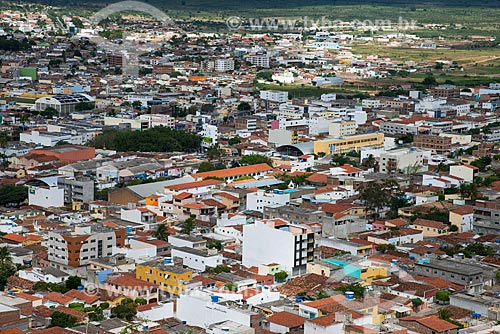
x,y
258,200
342,129
486,217
70,250
170,277
404,160
274,96
77,189
437,144
277,241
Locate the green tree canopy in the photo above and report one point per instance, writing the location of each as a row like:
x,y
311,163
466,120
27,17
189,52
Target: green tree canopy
x,y
254,159
62,320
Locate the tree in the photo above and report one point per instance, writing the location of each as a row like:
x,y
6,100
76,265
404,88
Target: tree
x,y
220,268
375,197
11,194
7,267
340,160
215,244
189,225
161,232
234,140
383,248
63,320
482,163
356,288
97,315
214,153
429,80
73,282
137,104
265,75
126,310
244,106
444,313
443,296
49,112
254,159
280,276
453,228
497,276
141,301
416,302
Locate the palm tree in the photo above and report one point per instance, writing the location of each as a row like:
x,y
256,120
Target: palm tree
x,y
5,257
161,232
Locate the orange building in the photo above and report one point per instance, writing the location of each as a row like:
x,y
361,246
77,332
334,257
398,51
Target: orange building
x,y
67,153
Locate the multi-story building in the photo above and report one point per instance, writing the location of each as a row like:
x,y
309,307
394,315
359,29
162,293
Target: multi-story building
x,y
246,123
460,273
404,160
274,95
258,200
277,241
171,278
198,259
486,217
70,250
77,189
259,60
437,144
224,65
349,143
342,129
445,91
114,59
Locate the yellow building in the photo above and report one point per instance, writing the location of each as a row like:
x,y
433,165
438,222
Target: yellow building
x,y
369,274
350,143
171,278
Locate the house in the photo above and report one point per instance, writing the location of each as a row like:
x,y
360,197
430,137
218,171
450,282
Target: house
x,y
431,324
284,322
197,259
430,228
155,311
197,188
38,274
123,284
398,237
324,325
462,217
142,216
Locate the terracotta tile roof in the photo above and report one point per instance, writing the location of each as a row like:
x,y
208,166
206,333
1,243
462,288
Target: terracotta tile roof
x,y
52,330
14,237
439,283
318,178
12,331
183,195
27,296
196,184
237,171
430,223
303,284
324,321
83,296
227,195
287,319
432,322
324,302
146,307
57,297
350,169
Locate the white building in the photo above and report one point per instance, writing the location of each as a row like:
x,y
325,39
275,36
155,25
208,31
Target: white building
x,y
141,216
196,258
258,200
159,120
202,309
155,311
276,241
143,99
342,129
209,135
44,138
404,160
46,193
277,96
259,60
224,65
38,274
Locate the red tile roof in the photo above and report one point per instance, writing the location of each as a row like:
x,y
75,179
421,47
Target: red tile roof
x,y
432,322
83,296
237,171
324,321
287,319
14,237
131,281
196,184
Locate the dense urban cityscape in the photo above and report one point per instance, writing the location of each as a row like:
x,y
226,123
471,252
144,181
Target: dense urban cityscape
x,y
188,170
